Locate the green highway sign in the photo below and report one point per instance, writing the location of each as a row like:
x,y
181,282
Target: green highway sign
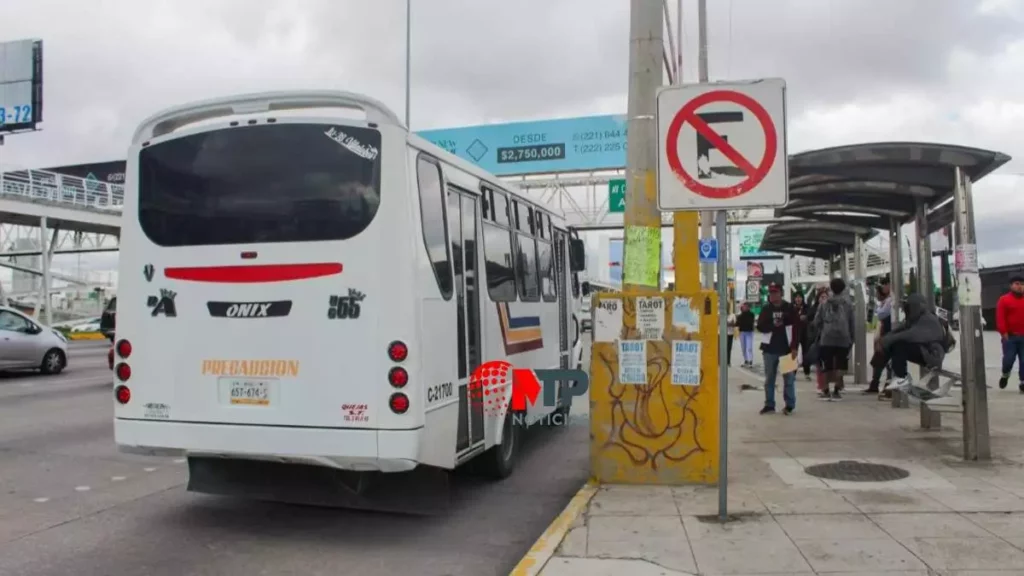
x,y
617,196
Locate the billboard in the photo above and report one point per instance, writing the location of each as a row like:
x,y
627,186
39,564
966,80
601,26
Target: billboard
x,y
750,244
21,85
539,147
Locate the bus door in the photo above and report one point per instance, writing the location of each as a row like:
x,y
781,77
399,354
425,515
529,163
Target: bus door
x,y
462,229
561,248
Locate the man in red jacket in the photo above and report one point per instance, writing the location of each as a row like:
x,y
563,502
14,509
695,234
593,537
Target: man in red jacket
x,y
1010,324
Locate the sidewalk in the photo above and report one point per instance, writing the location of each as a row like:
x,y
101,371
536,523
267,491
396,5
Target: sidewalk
x,y
945,517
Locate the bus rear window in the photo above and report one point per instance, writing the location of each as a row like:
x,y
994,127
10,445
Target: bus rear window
x,y
260,184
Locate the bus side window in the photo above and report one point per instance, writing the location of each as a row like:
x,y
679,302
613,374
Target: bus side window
x,y
433,217
499,263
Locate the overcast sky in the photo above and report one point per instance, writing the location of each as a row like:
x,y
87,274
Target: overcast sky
x,y
857,70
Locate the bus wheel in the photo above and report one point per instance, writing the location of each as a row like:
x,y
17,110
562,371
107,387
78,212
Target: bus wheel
x,y
499,461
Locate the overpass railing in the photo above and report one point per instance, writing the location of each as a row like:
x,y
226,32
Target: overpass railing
x,y
68,191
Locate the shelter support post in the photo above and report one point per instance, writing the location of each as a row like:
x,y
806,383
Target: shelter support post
x,y
898,291
925,284
859,288
844,263
972,346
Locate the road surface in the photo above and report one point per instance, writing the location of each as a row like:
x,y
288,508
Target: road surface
x,y
70,504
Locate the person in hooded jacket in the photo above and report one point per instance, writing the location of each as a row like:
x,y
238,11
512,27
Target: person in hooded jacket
x,y
920,339
834,324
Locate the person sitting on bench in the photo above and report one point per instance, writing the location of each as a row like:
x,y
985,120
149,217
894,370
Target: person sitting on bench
x,y
919,339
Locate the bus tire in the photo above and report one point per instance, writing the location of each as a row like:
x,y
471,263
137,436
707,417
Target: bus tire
x,y
500,461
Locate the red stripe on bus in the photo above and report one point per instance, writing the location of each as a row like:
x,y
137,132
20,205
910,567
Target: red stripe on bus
x,y
254,274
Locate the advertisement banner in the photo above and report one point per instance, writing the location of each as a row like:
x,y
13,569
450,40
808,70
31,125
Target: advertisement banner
x,y
750,244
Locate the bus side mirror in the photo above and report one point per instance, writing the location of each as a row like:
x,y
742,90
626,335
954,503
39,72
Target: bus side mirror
x,y
585,288
577,255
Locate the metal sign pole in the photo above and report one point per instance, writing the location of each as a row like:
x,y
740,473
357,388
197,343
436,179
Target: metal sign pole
x,y
721,232
972,345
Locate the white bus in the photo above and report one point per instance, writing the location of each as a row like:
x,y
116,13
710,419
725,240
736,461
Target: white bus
x,y
305,295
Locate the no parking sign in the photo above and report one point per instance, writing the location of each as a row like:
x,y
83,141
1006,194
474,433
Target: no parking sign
x,y
722,146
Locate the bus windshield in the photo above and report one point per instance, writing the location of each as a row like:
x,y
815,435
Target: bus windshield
x,y
260,184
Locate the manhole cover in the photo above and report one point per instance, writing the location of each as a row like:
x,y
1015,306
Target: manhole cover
x,y
853,471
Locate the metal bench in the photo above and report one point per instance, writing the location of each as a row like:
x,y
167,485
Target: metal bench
x,y
932,394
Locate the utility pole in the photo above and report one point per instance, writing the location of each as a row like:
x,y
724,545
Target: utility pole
x,y
642,245
685,224
702,73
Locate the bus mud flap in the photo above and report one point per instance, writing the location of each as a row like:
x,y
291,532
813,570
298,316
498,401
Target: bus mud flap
x,y
424,491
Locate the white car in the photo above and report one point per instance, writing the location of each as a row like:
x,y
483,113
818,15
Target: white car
x,y
26,344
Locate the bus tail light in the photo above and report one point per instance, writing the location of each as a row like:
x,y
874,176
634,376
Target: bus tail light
x,y
123,394
398,351
398,377
399,403
123,371
124,349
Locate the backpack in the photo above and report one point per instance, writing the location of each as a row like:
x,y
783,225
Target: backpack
x,y
835,330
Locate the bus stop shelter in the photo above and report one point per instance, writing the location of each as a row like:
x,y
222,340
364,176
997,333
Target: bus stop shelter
x,y
884,186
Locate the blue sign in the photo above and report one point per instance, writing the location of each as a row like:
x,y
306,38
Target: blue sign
x,y
707,249
540,147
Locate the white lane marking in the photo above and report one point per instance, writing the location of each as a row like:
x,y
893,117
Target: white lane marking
x,y
40,500
179,460
117,478
149,469
82,488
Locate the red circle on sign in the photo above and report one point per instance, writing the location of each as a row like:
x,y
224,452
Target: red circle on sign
x,y
755,174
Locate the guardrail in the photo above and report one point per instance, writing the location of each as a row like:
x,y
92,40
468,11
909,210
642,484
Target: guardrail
x,y
68,191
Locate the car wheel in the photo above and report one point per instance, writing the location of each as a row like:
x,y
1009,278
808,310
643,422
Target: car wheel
x,y
54,362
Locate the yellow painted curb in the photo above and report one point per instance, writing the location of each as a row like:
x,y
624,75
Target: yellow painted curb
x,y
544,548
86,336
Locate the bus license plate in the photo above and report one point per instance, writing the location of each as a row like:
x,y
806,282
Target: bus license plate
x,y
249,392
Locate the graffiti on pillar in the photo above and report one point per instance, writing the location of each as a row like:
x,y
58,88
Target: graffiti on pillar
x,y
656,431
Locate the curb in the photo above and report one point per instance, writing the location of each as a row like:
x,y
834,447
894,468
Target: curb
x,y
86,336
544,548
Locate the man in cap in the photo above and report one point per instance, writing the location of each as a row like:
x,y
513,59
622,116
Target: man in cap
x,y
1010,325
776,325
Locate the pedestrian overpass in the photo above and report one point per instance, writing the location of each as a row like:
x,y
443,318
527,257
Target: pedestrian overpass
x,y
44,213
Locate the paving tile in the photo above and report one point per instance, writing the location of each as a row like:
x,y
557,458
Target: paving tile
x,y
597,567
966,553
629,501
830,527
660,539
759,527
1002,524
717,556
802,501
979,500
704,501
574,543
880,501
876,555
928,525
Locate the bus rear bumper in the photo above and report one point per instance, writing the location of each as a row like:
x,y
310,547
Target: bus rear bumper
x,y
343,449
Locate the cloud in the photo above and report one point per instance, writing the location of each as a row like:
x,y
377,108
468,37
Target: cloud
x,y
857,71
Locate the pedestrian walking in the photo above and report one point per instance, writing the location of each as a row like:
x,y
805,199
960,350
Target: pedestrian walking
x,y
1010,325
835,326
775,324
745,324
800,311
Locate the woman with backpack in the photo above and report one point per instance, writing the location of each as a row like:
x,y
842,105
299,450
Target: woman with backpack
x,y
835,327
